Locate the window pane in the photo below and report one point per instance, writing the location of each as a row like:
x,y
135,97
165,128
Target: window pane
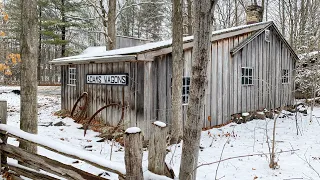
x,y
250,81
246,81
242,80
250,72
242,69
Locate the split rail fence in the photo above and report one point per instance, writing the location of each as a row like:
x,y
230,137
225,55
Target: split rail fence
x,y
30,164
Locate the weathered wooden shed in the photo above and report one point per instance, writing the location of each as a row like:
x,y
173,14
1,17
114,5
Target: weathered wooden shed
x,y
251,68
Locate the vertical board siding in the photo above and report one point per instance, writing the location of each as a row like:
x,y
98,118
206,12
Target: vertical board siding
x,y
148,95
168,88
214,82
219,82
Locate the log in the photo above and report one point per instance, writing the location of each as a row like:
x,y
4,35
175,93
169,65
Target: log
x,y
46,164
157,148
133,153
3,137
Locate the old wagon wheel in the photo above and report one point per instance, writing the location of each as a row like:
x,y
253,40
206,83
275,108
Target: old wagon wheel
x,y
98,111
79,111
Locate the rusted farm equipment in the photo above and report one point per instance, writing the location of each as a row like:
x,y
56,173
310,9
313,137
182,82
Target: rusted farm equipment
x,y
79,112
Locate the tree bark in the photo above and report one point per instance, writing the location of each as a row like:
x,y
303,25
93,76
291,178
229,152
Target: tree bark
x,y
203,11
133,156
63,29
190,32
112,24
157,150
177,71
28,80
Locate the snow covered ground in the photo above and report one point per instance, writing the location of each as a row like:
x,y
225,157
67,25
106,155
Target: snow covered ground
x,y
236,140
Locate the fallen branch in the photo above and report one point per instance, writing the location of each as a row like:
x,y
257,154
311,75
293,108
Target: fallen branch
x,y
248,155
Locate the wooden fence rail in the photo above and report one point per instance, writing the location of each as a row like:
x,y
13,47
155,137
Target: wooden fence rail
x,y
53,170
53,167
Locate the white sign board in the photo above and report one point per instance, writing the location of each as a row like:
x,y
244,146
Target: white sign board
x,y
108,79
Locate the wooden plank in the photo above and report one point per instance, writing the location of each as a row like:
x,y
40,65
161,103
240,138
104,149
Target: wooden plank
x,y
244,87
162,95
46,164
214,86
255,65
133,91
231,79
237,86
277,73
148,100
207,109
140,98
155,88
115,96
241,55
103,94
127,94
260,70
168,88
29,173
265,69
220,81
109,97
225,79
234,76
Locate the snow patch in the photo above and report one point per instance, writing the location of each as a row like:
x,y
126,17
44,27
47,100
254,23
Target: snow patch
x,y
160,124
151,176
133,130
261,113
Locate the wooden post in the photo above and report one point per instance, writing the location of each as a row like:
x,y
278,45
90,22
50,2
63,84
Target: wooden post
x,y
157,148
3,120
133,153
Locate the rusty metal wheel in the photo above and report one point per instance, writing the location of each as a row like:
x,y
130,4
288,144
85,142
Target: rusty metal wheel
x,y
78,112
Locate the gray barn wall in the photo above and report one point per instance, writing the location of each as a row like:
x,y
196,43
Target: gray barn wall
x,y
101,95
225,95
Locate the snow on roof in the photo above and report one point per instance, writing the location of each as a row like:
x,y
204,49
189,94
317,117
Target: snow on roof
x,y
100,51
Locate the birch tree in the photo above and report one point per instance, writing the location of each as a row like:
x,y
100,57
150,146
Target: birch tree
x,y
203,13
28,81
177,52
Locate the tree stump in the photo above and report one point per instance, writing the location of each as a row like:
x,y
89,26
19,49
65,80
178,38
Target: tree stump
x,y
133,153
157,148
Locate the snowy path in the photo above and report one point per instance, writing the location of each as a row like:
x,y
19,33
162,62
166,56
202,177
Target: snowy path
x,y
245,139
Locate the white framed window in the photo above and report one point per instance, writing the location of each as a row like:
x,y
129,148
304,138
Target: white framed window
x,y
285,76
185,90
72,76
247,76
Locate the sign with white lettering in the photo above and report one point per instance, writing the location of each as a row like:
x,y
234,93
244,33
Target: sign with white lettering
x,y
108,79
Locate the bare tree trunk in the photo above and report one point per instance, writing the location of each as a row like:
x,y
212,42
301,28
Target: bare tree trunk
x,y
112,24
203,13
63,29
177,71
29,55
190,32
104,23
